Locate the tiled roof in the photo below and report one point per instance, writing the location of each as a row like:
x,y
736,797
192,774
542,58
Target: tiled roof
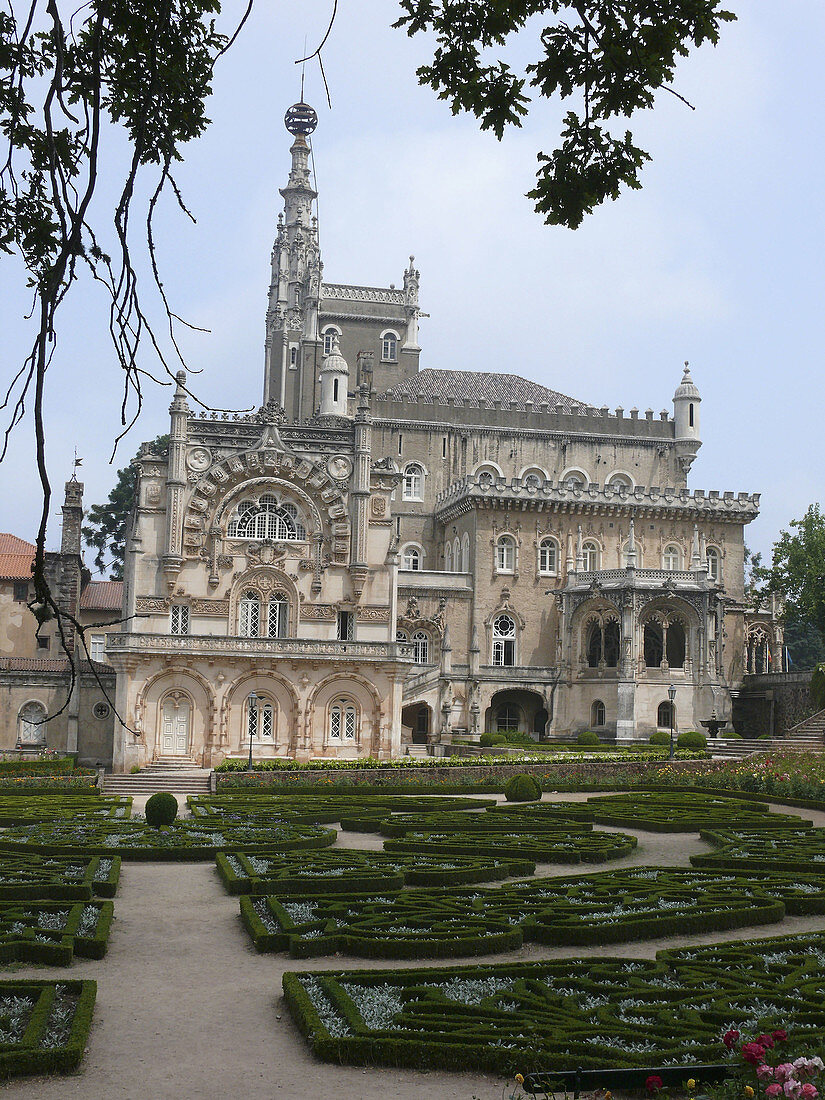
x,y
472,385
102,596
45,664
15,557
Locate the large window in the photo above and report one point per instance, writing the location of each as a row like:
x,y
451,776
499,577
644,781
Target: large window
x,y
343,721
506,554
421,647
389,347
508,717
672,557
413,482
504,640
260,718
31,729
666,716
329,339
714,569
665,640
259,619
278,616
249,615
590,556
267,518
548,557
411,558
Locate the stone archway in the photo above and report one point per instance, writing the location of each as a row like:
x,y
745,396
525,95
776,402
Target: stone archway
x,y
517,709
417,718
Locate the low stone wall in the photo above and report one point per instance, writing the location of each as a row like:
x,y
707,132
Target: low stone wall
x,y
772,704
593,771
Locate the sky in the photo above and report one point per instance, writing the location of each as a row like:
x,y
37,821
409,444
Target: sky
x,y
718,260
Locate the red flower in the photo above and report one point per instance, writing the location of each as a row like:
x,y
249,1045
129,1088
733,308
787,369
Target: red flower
x,y
780,1035
654,1083
765,1040
753,1053
730,1039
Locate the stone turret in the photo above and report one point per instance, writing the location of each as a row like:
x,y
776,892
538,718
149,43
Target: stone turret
x,y
334,382
686,403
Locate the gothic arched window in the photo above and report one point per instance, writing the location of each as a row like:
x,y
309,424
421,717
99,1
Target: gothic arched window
x,y
249,614
411,558
448,557
421,647
260,718
465,553
666,716
504,640
267,518
343,721
30,727
597,713
329,339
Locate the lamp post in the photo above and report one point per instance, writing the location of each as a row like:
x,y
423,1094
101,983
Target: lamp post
x,y
671,694
253,709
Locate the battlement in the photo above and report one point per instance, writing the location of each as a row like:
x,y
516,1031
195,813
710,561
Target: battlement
x,y
486,490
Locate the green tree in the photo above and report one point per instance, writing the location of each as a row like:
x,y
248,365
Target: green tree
x,y
613,55
798,573
108,523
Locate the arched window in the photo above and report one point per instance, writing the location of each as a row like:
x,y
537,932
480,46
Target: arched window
x,y
671,557
603,645
411,558
506,554
448,557
329,339
260,718
249,614
574,479
278,616
665,641
590,556
714,570
389,347
401,636
548,557
343,721
620,481
504,640
465,553
30,727
421,647
675,647
666,716
267,518
508,718
654,648
413,482
532,482
597,713
456,555
757,651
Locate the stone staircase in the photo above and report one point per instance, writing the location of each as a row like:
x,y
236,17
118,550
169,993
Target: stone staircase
x,y
813,727
178,774
744,746
419,751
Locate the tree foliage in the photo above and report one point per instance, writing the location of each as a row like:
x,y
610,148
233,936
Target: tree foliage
x,y
613,55
108,523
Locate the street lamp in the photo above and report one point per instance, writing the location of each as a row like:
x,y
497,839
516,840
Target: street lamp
x,y
671,694
251,725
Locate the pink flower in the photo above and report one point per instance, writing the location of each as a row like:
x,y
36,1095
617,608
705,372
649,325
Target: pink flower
x,y
753,1053
730,1039
785,1071
772,1091
808,1091
792,1088
764,1072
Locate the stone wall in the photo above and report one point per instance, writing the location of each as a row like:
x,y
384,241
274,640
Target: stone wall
x,y
772,703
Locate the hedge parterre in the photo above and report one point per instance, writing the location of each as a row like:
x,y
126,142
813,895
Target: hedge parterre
x,y
53,932
593,1013
323,808
51,807
459,823
185,840
801,850
44,1026
348,871
544,845
30,877
610,907
661,811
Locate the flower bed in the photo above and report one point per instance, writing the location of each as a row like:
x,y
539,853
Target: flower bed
x,y
182,841
661,812
796,775
53,932
355,871
51,807
801,850
560,845
45,1025
76,784
28,877
611,907
590,1012
39,765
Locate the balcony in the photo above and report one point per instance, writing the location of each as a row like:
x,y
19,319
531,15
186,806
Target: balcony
x,y
282,649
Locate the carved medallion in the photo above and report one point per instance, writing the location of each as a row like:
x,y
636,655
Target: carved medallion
x,y
199,459
339,467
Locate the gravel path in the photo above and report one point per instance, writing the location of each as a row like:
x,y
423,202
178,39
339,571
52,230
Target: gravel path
x,y
187,1009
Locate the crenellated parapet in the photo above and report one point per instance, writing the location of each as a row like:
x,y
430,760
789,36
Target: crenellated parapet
x,y
486,491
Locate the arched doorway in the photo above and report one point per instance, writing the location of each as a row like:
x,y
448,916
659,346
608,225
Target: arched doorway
x,y
517,710
416,718
175,714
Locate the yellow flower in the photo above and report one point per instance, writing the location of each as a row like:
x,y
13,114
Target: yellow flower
x,y
519,1078
691,1084
748,1092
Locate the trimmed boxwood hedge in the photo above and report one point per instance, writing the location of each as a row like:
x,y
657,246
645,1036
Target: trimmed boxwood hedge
x,y
51,807
545,846
52,933
30,877
355,812
611,907
801,850
184,840
354,871
47,1042
52,765
589,1013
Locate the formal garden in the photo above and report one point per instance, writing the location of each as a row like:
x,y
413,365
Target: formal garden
x,y
455,932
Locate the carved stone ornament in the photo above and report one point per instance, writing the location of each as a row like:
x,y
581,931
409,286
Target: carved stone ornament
x,y
145,605
378,505
339,467
199,459
264,553
373,614
319,612
151,496
412,611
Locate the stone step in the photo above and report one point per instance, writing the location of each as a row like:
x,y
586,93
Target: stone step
x,y
145,784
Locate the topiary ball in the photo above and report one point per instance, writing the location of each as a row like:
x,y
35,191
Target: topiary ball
x,y
587,737
692,739
161,809
522,788
487,740
659,738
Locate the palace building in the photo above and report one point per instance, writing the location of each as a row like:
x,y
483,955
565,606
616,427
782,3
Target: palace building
x,y
386,555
